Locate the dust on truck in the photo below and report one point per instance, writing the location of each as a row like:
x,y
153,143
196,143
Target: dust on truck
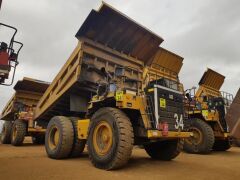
x,y
207,115
18,113
113,93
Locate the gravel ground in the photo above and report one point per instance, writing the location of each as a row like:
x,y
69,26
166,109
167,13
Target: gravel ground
x,y
30,162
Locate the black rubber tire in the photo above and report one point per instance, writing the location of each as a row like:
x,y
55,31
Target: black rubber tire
x,y
78,144
221,145
20,128
6,132
64,147
208,138
164,150
237,142
122,140
38,139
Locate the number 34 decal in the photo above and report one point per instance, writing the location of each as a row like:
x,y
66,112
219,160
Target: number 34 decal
x,y
179,121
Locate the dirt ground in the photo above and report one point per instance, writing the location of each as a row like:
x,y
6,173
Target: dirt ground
x,y
30,162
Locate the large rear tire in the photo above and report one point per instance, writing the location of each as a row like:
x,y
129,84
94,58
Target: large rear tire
x,y
237,142
19,130
6,132
78,144
164,150
59,137
221,145
110,140
202,140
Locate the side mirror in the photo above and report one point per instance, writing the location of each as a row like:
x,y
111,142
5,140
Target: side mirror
x,y
189,97
205,98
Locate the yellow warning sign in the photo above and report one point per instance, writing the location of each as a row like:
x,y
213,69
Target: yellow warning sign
x,y
119,95
205,113
162,103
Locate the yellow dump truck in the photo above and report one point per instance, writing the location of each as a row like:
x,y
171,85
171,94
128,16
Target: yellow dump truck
x,y
20,109
207,108
117,89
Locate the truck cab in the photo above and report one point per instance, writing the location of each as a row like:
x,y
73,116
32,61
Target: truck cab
x,y
207,108
9,57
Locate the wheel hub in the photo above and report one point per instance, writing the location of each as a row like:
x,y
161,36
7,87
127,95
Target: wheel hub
x,y
14,134
196,138
102,138
53,138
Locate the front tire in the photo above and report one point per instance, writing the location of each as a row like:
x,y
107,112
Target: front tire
x,y
110,140
19,130
221,145
164,150
202,140
237,142
59,137
6,132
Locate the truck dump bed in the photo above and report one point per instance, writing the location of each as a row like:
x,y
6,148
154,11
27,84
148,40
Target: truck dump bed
x,y
107,39
233,116
165,64
212,81
28,92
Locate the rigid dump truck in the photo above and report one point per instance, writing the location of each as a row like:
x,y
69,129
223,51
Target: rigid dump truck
x,y
207,109
18,113
117,89
233,119
9,57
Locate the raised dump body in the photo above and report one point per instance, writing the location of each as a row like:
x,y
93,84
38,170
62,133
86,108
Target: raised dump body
x,y
129,45
27,94
210,84
168,65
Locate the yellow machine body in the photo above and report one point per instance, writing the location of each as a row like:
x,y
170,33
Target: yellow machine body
x,y
209,87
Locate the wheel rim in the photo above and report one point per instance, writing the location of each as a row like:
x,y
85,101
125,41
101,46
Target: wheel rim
x,y
53,138
196,138
102,138
14,134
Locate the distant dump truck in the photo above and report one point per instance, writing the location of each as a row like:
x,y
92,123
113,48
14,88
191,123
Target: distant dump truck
x,y
18,113
207,110
117,89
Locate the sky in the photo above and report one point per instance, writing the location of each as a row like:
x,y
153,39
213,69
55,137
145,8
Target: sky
x,y
206,33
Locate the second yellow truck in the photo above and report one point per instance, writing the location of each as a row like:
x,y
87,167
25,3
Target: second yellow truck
x,y
207,108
